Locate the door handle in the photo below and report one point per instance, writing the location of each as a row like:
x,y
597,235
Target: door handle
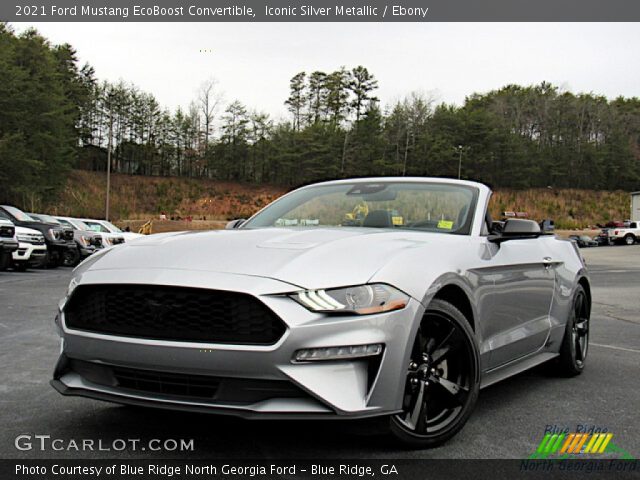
x,y
547,261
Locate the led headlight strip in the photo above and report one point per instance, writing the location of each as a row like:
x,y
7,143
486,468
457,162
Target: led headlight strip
x,y
360,299
346,352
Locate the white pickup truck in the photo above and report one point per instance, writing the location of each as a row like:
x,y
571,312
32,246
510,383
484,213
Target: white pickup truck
x,y
32,250
629,234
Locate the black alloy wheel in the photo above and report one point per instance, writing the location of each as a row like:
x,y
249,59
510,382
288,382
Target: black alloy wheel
x,y
70,257
575,345
443,379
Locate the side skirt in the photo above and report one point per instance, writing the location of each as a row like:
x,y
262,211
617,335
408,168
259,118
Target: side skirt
x,y
513,368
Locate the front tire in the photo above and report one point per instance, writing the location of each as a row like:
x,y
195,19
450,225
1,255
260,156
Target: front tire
x,y
53,259
5,260
20,266
70,257
629,239
443,379
575,344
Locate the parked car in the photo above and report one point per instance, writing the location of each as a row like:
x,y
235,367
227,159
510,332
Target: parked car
x,y
603,238
613,224
105,226
58,240
88,242
106,239
32,249
584,241
96,226
406,314
627,235
8,242
72,255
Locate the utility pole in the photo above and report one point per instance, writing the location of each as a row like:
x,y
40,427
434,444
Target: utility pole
x,y
344,152
109,144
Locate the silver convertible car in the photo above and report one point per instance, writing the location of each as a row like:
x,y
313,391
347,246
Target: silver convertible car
x,y
346,299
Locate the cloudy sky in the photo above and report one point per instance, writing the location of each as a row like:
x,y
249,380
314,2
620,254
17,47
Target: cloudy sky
x,y
254,62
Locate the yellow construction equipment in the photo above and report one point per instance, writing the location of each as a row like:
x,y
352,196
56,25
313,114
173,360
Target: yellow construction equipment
x,y
147,228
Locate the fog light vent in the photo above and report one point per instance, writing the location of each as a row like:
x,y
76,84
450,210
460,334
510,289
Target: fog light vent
x,y
337,353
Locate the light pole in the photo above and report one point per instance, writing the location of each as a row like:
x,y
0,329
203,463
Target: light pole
x,y
460,149
109,144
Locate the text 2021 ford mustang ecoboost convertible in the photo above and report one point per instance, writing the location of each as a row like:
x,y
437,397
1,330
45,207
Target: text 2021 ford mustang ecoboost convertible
x,y
344,299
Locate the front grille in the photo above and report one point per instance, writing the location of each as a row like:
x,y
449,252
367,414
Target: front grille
x,y
7,231
32,239
67,234
117,240
173,313
96,241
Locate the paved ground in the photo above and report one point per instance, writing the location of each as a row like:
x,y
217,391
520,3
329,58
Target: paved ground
x,y
508,421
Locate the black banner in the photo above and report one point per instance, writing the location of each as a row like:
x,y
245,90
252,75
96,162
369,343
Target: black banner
x,y
320,11
355,469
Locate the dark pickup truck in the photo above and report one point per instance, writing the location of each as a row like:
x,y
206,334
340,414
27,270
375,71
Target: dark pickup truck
x,y
58,240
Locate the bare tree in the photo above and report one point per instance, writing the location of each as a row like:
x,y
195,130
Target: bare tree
x,y
209,99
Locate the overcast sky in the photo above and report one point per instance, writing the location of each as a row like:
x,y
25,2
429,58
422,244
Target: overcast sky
x,y
254,62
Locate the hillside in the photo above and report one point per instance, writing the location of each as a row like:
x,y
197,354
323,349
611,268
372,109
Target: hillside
x,y
139,198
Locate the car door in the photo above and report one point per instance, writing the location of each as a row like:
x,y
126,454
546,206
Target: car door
x,y
516,306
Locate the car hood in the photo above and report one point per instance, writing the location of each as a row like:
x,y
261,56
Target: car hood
x,y
309,258
40,226
25,230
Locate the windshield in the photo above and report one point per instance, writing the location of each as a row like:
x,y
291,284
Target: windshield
x,y
80,225
18,214
111,227
45,218
434,207
74,223
95,227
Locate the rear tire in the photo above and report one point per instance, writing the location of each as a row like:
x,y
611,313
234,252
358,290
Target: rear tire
x,y
629,239
575,344
441,389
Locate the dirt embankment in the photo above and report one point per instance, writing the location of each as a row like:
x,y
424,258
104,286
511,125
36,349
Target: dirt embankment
x,y
199,204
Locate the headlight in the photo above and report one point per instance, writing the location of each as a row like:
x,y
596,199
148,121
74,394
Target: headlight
x,y
361,299
85,240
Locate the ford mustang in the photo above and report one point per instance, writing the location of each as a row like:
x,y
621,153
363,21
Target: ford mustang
x,y
395,297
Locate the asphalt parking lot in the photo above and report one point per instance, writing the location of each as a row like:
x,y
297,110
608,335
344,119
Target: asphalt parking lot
x,y
508,422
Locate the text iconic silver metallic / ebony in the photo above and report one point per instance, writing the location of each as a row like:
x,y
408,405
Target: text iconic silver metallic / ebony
x,y
344,299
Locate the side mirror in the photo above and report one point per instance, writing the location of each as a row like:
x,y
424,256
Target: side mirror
x,y
517,229
233,224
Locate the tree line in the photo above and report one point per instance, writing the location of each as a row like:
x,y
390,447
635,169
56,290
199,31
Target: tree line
x,y
56,115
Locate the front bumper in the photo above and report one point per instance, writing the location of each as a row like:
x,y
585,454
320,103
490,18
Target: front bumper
x,y
345,388
30,253
8,245
86,251
59,246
